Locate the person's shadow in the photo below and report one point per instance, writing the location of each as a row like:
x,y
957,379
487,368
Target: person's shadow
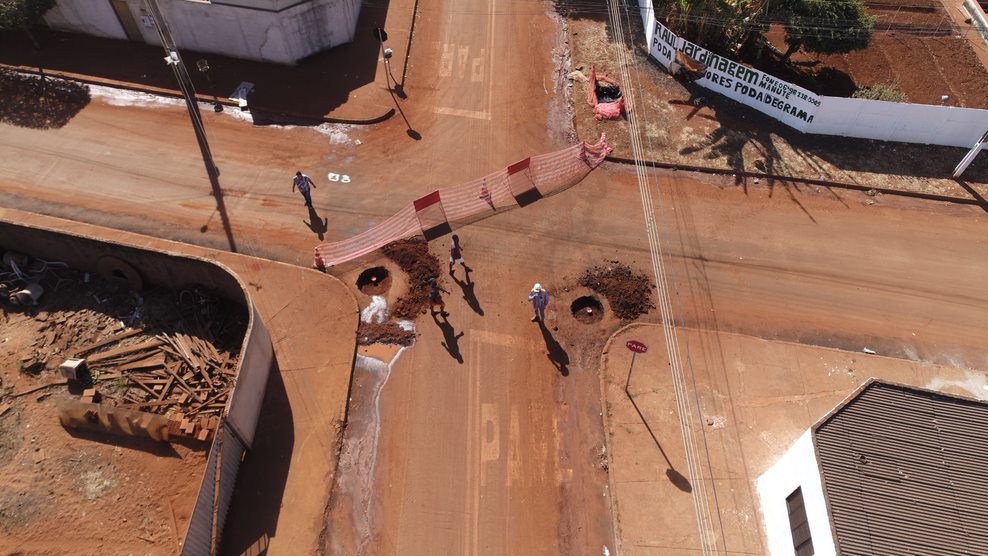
x,y
468,294
316,224
557,355
451,340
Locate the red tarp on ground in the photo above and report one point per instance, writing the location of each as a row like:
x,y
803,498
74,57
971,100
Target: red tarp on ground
x,y
604,110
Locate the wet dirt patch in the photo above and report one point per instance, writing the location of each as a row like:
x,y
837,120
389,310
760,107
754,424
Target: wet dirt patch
x,y
587,309
374,281
413,256
18,507
629,293
390,333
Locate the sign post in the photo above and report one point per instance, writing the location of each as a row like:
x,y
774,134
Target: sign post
x,y
635,347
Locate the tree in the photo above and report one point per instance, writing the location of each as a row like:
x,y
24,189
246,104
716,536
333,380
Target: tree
x,y
827,26
22,14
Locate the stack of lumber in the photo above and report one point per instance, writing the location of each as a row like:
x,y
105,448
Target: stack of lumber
x,y
182,376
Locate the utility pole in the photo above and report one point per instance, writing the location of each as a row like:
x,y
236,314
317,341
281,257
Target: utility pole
x,y
174,59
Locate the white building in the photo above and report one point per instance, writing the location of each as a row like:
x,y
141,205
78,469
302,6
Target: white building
x,y
280,31
892,470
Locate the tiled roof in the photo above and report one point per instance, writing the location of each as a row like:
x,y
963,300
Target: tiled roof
x,y
905,471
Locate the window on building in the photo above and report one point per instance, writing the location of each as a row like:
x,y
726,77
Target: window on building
x,y
800,527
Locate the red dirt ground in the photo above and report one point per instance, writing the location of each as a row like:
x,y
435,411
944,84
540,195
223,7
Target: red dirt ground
x,y
924,67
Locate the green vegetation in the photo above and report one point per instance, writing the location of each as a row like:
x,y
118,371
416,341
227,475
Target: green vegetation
x,y
22,14
889,91
826,26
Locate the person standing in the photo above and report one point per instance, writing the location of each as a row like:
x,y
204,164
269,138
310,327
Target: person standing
x,y
436,299
456,254
539,297
304,185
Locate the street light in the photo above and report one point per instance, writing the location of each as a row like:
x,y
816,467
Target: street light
x,y
203,66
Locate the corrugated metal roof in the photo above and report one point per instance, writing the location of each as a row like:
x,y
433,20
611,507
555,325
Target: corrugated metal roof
x,y
905,471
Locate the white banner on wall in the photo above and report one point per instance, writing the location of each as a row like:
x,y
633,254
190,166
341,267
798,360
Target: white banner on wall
x,y
811,113
788,103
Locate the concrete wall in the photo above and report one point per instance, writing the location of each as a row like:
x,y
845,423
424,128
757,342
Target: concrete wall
x,y
898,121
179,272
280,31
91,17
797,468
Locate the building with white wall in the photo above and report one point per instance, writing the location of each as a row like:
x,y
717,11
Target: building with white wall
x,y
892,470
280,31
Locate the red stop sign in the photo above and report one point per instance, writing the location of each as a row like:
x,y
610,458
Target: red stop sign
x,y
636,346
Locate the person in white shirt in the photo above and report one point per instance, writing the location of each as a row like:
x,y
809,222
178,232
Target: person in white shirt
x,y
304,185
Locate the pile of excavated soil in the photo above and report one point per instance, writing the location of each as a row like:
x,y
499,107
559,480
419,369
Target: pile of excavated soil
x,y
629,293
413,256
38,103
384,333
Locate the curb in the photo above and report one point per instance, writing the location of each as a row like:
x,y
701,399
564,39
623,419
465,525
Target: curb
x,y
92,80
822,183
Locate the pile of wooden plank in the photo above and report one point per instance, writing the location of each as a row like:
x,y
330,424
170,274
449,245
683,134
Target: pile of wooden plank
x,y
182,376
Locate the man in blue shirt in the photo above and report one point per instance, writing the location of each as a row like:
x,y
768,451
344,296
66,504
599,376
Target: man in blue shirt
x,y
304,184
539,297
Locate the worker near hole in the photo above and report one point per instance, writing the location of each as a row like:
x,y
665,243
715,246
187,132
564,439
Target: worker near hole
x,y
436,298
539,297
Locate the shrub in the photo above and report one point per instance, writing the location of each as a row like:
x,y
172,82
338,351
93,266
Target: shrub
x,y
882,91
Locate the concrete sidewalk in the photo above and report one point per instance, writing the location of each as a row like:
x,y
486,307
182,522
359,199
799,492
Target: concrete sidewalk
x,y
284,484
346,84
749,400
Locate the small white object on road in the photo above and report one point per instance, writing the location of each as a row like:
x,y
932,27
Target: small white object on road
x,y
869,351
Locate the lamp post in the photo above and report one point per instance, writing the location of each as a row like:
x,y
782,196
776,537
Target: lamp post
x,y
203,66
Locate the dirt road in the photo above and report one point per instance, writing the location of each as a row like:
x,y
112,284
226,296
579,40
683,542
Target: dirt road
x,y
500,453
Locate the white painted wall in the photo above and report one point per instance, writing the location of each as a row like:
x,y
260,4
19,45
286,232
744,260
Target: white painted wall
x,y
898,121
90,17
280,31
796,468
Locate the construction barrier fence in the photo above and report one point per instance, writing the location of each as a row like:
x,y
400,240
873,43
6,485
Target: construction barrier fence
x,y
437,213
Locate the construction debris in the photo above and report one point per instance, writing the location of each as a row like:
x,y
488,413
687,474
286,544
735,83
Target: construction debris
x,y
172,354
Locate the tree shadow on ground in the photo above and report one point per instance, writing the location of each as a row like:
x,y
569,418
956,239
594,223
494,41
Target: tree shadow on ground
x,y
745,140
39,102
555,352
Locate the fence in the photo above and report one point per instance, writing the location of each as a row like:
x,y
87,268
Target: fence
x,y
805,111
437,213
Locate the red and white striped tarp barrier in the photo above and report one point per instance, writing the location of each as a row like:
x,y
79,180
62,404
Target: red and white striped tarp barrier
x,y
543,175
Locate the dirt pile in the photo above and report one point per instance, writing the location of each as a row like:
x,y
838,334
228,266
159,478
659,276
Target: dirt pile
x,y
384,333
629,293
413,256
